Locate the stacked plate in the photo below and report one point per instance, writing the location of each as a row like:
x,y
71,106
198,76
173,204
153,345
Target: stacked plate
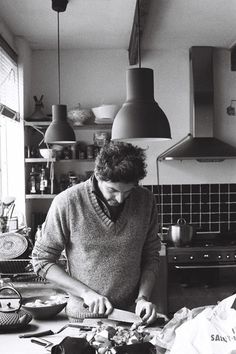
x,y
12,245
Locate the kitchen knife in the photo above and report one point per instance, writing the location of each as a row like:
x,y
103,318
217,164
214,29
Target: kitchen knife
x,y
124,316
116,315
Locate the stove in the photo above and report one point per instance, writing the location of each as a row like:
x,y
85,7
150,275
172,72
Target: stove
x,y
207,248
202,273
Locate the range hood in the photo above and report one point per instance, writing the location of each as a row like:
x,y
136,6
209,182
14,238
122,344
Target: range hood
x,y
201,145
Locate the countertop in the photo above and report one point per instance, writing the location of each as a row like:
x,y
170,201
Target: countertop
x,y
10,343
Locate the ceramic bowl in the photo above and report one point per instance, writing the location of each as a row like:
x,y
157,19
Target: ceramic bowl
x,y
46,153
106,111
44,307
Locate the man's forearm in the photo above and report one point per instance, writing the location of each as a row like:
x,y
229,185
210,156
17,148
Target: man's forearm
x,y
64,281
147,282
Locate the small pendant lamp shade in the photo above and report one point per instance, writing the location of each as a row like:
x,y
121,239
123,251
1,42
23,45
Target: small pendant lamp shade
x,y
140,117
59,131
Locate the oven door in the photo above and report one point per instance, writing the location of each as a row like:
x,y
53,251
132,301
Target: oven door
x,y
199,284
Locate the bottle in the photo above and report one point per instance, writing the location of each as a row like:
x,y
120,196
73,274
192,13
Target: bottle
x,y
44,182
33,181
38,232
67,153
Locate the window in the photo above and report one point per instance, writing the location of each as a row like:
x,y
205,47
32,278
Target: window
x,y
11,136
9,100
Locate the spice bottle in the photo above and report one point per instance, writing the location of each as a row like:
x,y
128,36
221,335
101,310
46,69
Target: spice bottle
x,y
44,182
33,181
38,233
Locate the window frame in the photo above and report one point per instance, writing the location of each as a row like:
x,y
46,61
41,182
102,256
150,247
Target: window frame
x,y
10,57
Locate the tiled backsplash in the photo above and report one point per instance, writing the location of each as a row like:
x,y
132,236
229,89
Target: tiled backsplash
x,y
209,207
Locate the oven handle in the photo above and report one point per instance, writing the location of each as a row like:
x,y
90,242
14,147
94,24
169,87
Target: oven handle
x,y
206,266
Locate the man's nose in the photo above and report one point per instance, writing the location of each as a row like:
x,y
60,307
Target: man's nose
x,y
120,197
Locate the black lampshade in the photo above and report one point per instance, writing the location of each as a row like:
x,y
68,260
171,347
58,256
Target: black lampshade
x,y
59,131
140,117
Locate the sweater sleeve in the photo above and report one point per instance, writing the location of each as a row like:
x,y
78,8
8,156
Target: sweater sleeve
x,y
47,249
152,245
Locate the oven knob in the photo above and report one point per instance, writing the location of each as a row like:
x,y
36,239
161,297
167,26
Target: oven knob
x,y
219,257
191,257
175,258
227,256
206,255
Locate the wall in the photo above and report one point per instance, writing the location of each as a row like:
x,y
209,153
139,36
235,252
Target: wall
x,y
92,77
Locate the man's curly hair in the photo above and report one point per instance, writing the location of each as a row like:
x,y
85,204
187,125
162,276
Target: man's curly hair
x,y
121,162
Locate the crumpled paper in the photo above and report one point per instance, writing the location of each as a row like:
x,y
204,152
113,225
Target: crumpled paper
x,y
165,338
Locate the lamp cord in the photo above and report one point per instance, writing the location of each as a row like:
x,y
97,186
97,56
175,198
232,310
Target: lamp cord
x,y
58,59
139,40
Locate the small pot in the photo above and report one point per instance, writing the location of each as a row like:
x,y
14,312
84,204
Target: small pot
x,y
180,234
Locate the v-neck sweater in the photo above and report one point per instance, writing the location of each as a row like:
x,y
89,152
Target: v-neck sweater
x,y
107,256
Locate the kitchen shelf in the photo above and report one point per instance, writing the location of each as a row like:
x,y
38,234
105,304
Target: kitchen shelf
x,y
39,159
75,160
82,127
40,196
37,205
36,123
93,126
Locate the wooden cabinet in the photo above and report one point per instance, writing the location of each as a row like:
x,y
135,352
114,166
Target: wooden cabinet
x,y
37,204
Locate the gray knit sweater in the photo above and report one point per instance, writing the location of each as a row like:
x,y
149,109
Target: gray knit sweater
x,y
107,256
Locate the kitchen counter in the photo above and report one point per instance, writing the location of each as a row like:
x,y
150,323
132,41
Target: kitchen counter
x,y
10,343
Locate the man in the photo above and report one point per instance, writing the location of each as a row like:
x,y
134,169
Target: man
x,y
107,226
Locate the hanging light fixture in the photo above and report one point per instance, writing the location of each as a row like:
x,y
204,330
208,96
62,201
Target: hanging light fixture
x,y
140,117
59,131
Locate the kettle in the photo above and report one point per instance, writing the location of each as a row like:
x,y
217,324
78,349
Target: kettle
x,y
180,234
11,315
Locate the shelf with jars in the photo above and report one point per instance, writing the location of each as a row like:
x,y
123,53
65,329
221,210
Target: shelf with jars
x,y
68,165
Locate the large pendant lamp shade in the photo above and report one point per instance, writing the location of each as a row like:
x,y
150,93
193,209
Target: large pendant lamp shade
x,y
59,131
140,117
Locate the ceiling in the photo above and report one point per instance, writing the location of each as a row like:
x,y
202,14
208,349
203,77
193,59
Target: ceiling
x,y
103,24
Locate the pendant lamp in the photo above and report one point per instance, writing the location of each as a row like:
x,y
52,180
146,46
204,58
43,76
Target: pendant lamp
x,y
140,117
59,131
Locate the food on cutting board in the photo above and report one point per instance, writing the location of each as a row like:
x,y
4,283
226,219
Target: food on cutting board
x,y
105,338
52,300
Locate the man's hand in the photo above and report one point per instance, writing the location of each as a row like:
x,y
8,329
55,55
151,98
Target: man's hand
x,y
146,310
97,304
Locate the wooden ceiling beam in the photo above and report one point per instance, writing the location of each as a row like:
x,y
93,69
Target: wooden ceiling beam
x,y
133,43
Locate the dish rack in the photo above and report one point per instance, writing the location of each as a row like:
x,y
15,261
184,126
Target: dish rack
x,y
22,269
16,266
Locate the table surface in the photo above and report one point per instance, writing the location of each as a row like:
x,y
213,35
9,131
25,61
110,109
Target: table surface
x,y
11,343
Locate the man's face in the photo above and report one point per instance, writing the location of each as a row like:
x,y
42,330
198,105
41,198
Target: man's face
x,y
115,192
